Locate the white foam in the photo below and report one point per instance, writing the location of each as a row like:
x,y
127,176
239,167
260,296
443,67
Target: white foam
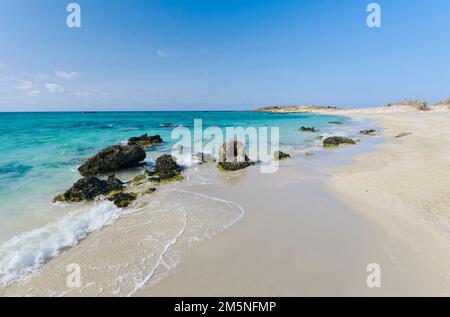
x,y
25,253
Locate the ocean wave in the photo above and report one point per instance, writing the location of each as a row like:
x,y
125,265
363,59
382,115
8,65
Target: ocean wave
x,y
26,252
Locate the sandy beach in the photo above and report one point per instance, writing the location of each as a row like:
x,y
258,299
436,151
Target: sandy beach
x,y
399,218
309,229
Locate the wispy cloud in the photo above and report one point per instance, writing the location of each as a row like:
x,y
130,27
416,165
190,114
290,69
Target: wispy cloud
x,y
82,93
39,76
4,66
67,75
54,88
27,87
162,54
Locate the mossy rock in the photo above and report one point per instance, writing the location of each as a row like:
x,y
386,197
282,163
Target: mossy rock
x,y
149,191
335,141
139,179
59,198
123,200
113,194
175,178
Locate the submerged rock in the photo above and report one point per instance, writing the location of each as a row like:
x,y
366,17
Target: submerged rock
x,y
279,155
205,158
166,167
232,156
88,188
368,132
335,122
337,140
403,134
145,141
112,159
307,129
122,200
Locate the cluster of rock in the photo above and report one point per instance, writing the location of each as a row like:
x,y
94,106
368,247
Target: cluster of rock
x,y
113,159
90,187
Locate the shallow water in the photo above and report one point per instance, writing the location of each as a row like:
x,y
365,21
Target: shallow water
x,y
40,154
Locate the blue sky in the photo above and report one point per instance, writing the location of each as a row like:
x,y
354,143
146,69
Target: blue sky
x,y
220,54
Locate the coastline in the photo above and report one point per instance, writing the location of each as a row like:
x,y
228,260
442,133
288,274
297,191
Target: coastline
x,y
311,233
397,196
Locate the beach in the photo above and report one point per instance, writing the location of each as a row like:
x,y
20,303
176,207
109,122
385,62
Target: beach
x,y
311,229
399,196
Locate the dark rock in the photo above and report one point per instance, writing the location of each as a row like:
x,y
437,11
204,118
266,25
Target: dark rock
x,y
335,122
122,200
145,141
114,180
150,191
88,188
368,132
112,159
166,167
205,158
278,155
336,141
232,156
307,129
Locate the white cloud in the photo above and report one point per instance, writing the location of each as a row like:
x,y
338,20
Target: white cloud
x,y
82,93
67,75
54,88
24,85
27,87
162,54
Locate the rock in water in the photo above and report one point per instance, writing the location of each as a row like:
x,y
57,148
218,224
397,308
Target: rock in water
x,y
278,155
336,141
112,159
88,188
403,134
166,167
307,129
232,156
368,132
123,200
145,141
335,122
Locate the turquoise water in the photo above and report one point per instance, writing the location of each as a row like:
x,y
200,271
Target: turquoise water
x,y
40,154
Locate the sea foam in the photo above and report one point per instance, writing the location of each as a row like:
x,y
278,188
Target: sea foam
x,y
26,252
